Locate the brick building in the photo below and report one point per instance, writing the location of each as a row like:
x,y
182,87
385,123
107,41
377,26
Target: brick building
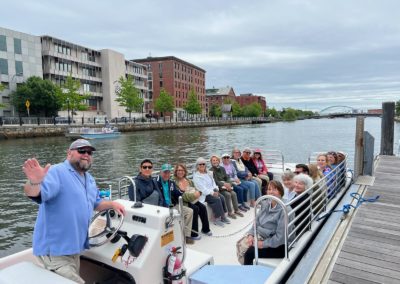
x,y
217,96
247,99
177,77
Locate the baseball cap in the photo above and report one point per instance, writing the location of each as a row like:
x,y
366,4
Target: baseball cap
x,y
81,143
166,167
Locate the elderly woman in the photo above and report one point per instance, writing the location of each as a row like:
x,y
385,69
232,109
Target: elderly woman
x,y
260,164
325,168
245,176
270,228
302,182
288,185
191,199
204,182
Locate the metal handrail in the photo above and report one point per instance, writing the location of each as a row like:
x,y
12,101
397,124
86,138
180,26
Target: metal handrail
x,y
282,204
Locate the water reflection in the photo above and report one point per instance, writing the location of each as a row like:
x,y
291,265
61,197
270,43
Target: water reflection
x,y
115,158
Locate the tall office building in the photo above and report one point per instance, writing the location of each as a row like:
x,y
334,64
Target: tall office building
x,y
177,77
20,58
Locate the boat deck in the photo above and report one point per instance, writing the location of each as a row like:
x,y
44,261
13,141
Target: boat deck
x,y
371,250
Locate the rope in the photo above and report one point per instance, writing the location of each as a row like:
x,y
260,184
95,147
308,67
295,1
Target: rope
x,y
227,235
346,207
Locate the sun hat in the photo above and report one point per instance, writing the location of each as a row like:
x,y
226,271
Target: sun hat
x,y
81,143
166,167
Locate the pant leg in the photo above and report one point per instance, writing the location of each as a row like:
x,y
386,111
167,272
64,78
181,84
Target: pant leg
x,y
228,200
259,183
234,201
239,193
195,224
216,205
251,189
223,203
257,192
67,266
205,225
188,220
270,175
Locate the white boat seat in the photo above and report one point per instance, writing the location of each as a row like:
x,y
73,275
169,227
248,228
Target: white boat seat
x,y
26,272
271,262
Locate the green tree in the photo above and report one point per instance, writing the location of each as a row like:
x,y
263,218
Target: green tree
x,y
165,102
271,112
43,95
2,89
193,105
398,108
71,98
236,110
290,114
128,96
252,110
215,111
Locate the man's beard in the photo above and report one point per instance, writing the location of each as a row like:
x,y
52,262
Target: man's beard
x,y
81,166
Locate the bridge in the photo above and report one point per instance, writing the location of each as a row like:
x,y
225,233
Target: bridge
x,y
343,111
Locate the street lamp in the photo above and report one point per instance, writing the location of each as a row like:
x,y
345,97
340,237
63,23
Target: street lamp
x,y
69,121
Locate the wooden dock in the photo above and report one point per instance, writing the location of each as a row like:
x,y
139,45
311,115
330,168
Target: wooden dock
x,y
371,251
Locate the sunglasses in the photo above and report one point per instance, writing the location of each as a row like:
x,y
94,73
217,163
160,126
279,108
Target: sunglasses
x,y
202,164
247,152
147,167
84,151
226,158
297,172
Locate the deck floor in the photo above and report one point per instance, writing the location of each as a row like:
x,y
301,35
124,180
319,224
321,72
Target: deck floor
x,y
371,251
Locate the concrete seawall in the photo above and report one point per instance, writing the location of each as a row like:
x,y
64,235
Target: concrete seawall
x,y
30,131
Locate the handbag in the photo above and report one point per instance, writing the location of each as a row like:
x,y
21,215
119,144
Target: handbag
x,y
241,247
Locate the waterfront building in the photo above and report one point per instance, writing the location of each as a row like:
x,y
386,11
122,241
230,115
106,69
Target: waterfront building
x,y
247,99
177,77
219,96
20,58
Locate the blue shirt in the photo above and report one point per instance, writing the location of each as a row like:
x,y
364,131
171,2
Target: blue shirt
x,y
66,206
166,192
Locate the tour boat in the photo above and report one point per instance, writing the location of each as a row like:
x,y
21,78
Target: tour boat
x,y
92,133
154,249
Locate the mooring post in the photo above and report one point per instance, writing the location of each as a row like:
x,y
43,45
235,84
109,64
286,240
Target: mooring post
x,y
387,128
359,147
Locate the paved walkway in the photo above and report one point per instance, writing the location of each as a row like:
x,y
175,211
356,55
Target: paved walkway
x,y
371,251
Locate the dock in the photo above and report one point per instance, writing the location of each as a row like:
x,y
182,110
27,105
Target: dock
x,y
365,247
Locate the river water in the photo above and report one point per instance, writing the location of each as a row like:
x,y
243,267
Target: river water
x,y
118,157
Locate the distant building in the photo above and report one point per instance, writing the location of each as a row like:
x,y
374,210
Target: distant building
x,y
20,58
177,77
218,96
247,99
375,111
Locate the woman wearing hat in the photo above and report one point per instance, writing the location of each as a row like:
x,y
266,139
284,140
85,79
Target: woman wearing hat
x,y
204,182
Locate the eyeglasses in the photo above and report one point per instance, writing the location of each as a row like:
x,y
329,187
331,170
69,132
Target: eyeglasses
x,y
201,164
225,157
247,152
84,151
147,167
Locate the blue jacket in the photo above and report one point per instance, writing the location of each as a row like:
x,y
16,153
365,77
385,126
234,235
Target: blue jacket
x,y
146,188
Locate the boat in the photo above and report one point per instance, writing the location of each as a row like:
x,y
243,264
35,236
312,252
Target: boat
x,y
152,236
92,133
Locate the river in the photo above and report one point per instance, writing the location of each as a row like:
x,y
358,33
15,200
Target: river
x,y
115,158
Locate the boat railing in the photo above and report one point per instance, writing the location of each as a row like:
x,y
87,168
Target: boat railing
x,y
274,159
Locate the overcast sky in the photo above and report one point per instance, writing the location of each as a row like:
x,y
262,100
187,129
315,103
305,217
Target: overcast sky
x,y
297,53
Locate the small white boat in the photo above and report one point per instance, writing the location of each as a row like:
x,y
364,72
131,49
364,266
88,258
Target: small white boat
x,y
92,133
152,232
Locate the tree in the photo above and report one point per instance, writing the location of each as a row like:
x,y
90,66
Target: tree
x,y
128,95
43,95
2,89
164,103
236,110
271,112
71,98
252,110
193,105
398,108
290,114
215,111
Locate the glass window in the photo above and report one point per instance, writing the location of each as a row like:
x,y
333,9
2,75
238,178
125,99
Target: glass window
x,y
18,68
3,43
161,84
17,46
6,85
3,66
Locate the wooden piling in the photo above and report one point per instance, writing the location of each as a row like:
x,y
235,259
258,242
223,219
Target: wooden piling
x,y
387,128
359,147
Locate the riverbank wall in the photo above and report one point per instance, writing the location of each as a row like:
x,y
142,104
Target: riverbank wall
x,y
31,131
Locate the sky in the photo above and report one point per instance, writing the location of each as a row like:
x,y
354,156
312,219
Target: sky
x,y
306,54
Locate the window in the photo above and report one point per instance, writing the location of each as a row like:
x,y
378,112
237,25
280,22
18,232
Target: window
x,y
3,43
3,66
18,68
161,84
17,46
6,85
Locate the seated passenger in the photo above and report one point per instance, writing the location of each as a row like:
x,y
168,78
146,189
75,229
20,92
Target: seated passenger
x,y
204,182
248,162
270,228
301,169
332,159
240,189
319,191
225,187
147,190
171,196
341,157
288,185
324,167
302,182
191,198
260,164
246,177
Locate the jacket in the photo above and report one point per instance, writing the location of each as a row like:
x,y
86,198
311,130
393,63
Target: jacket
x,y
146,188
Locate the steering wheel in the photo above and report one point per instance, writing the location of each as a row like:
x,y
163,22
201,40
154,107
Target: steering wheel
x,y
104,226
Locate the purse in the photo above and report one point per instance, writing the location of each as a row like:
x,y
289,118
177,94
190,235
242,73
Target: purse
x,y
241,248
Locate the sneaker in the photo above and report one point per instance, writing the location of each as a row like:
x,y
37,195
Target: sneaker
x,y
231,215
219,223
241,208
209,233
189,241
197,238
239,213
225,220
245,206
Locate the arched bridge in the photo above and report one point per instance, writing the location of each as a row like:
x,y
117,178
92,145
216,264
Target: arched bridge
x,y
342,111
